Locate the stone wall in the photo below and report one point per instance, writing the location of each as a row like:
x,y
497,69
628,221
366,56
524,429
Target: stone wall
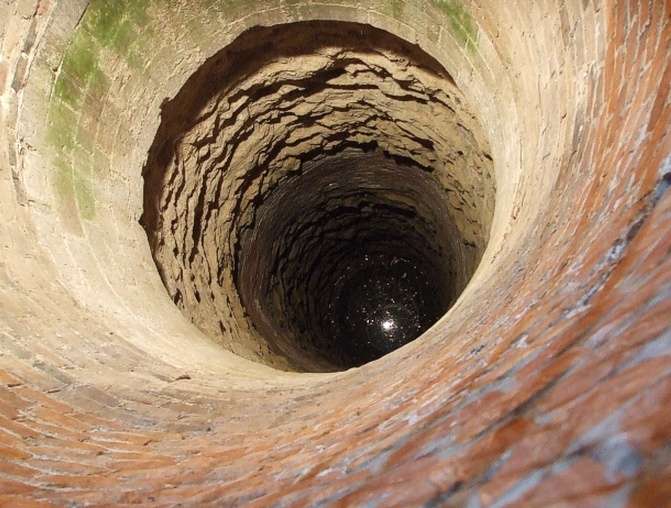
x,y
547,382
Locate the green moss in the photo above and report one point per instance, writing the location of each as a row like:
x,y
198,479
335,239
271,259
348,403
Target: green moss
x,y
396,8
137,11
115,23
81,60
63,178
119,25
125,35
66,90
108,25
62,121
102,19
98,85
76,188
464,28
79,64
85,197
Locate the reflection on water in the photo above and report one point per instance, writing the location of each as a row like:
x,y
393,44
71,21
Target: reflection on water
x,y
383,302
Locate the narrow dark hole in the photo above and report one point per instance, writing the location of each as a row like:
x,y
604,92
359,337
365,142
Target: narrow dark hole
x,y
352,260
383,300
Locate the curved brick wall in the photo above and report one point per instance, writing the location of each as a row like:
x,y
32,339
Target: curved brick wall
x,y
548,382
289,109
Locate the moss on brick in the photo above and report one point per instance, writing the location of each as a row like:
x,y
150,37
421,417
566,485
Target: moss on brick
x,y
85,198
62,121
80,64
63,177
77,187
82,84
396,8
462,25
115,24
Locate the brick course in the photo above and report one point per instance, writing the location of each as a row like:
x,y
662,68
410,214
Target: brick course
x,y
549,382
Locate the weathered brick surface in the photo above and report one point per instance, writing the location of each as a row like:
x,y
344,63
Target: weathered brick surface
x,y
548,383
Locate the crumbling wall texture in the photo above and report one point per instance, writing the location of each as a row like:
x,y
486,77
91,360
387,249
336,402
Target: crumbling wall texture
x,y
548,382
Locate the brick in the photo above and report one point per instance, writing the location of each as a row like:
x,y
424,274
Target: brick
x,y
548,383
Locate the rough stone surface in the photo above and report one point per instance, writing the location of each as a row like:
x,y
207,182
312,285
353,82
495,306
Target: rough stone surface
x,y
547,383
256,116
349,213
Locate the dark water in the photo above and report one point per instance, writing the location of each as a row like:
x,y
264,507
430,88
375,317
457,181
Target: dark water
x,y
383,302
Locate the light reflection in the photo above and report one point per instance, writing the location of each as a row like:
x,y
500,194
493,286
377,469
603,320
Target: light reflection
x,y
388,325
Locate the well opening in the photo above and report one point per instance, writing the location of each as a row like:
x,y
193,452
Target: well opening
x,y
318,194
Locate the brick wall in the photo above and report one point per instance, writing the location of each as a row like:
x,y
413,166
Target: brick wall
x,y
549,382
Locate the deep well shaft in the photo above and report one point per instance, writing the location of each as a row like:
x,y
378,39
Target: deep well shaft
x,y
296,253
